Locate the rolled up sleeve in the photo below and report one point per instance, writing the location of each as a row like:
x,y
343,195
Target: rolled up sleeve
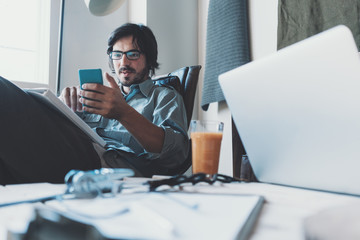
x,y
170,114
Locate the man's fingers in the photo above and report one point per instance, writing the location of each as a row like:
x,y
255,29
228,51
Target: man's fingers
x,y
65,96
78,103
74,98
70,96
111,80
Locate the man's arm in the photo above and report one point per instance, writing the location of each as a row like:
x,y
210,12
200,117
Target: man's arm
x,y
150,136
111,104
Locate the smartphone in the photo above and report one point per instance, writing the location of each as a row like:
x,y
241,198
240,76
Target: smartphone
x,y
90,76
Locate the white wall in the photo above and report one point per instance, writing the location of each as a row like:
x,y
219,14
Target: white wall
x,y
263,27
174,24
175,27
84,40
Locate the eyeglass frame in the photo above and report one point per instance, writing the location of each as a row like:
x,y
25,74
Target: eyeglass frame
x,y
126,54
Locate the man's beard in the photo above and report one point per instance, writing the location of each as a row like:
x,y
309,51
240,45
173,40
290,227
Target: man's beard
x,y
138,77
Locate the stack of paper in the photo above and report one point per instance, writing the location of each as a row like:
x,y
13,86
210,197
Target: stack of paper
x,y
167,215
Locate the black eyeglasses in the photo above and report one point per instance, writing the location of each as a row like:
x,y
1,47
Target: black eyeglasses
x,y
131,55
195,178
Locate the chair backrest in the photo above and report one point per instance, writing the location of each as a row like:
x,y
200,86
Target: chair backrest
x,y
189,77
185,81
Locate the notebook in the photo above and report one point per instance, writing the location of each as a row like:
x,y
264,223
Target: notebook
x,y
49,98
298,113
167,215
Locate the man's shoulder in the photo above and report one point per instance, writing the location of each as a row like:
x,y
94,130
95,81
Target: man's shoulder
x,y
169,82
167,89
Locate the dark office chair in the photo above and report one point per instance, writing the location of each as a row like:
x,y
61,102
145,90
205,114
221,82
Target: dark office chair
x,y
185,81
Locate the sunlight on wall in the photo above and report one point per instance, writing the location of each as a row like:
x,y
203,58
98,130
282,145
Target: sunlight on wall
x,y
25,40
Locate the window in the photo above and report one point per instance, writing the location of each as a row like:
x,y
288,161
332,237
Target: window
x,y
29,30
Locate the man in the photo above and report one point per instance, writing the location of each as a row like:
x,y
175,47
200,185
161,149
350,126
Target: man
x,y
144,125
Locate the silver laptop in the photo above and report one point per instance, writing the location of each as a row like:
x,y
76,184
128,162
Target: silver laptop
x,y
298,113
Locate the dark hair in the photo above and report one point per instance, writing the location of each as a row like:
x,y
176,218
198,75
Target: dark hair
x,y
144,39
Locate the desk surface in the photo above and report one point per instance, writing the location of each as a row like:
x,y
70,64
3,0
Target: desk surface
x,y
286,208
281,217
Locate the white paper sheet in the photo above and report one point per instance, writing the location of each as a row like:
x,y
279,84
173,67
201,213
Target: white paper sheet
x,y
167,215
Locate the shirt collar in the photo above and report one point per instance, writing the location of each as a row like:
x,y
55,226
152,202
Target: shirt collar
x,y
145,87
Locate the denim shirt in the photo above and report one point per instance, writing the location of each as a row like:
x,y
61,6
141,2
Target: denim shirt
x,y
164,107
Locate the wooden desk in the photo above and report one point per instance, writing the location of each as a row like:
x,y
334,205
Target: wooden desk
x,y
281,217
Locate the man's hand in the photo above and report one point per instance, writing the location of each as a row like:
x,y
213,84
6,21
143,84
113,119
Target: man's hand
x,y
106,101
70,96
110,103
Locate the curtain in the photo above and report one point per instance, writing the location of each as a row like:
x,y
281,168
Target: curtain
x,y
227,45
299,19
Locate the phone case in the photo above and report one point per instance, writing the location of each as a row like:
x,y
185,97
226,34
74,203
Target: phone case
x,y
90,76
